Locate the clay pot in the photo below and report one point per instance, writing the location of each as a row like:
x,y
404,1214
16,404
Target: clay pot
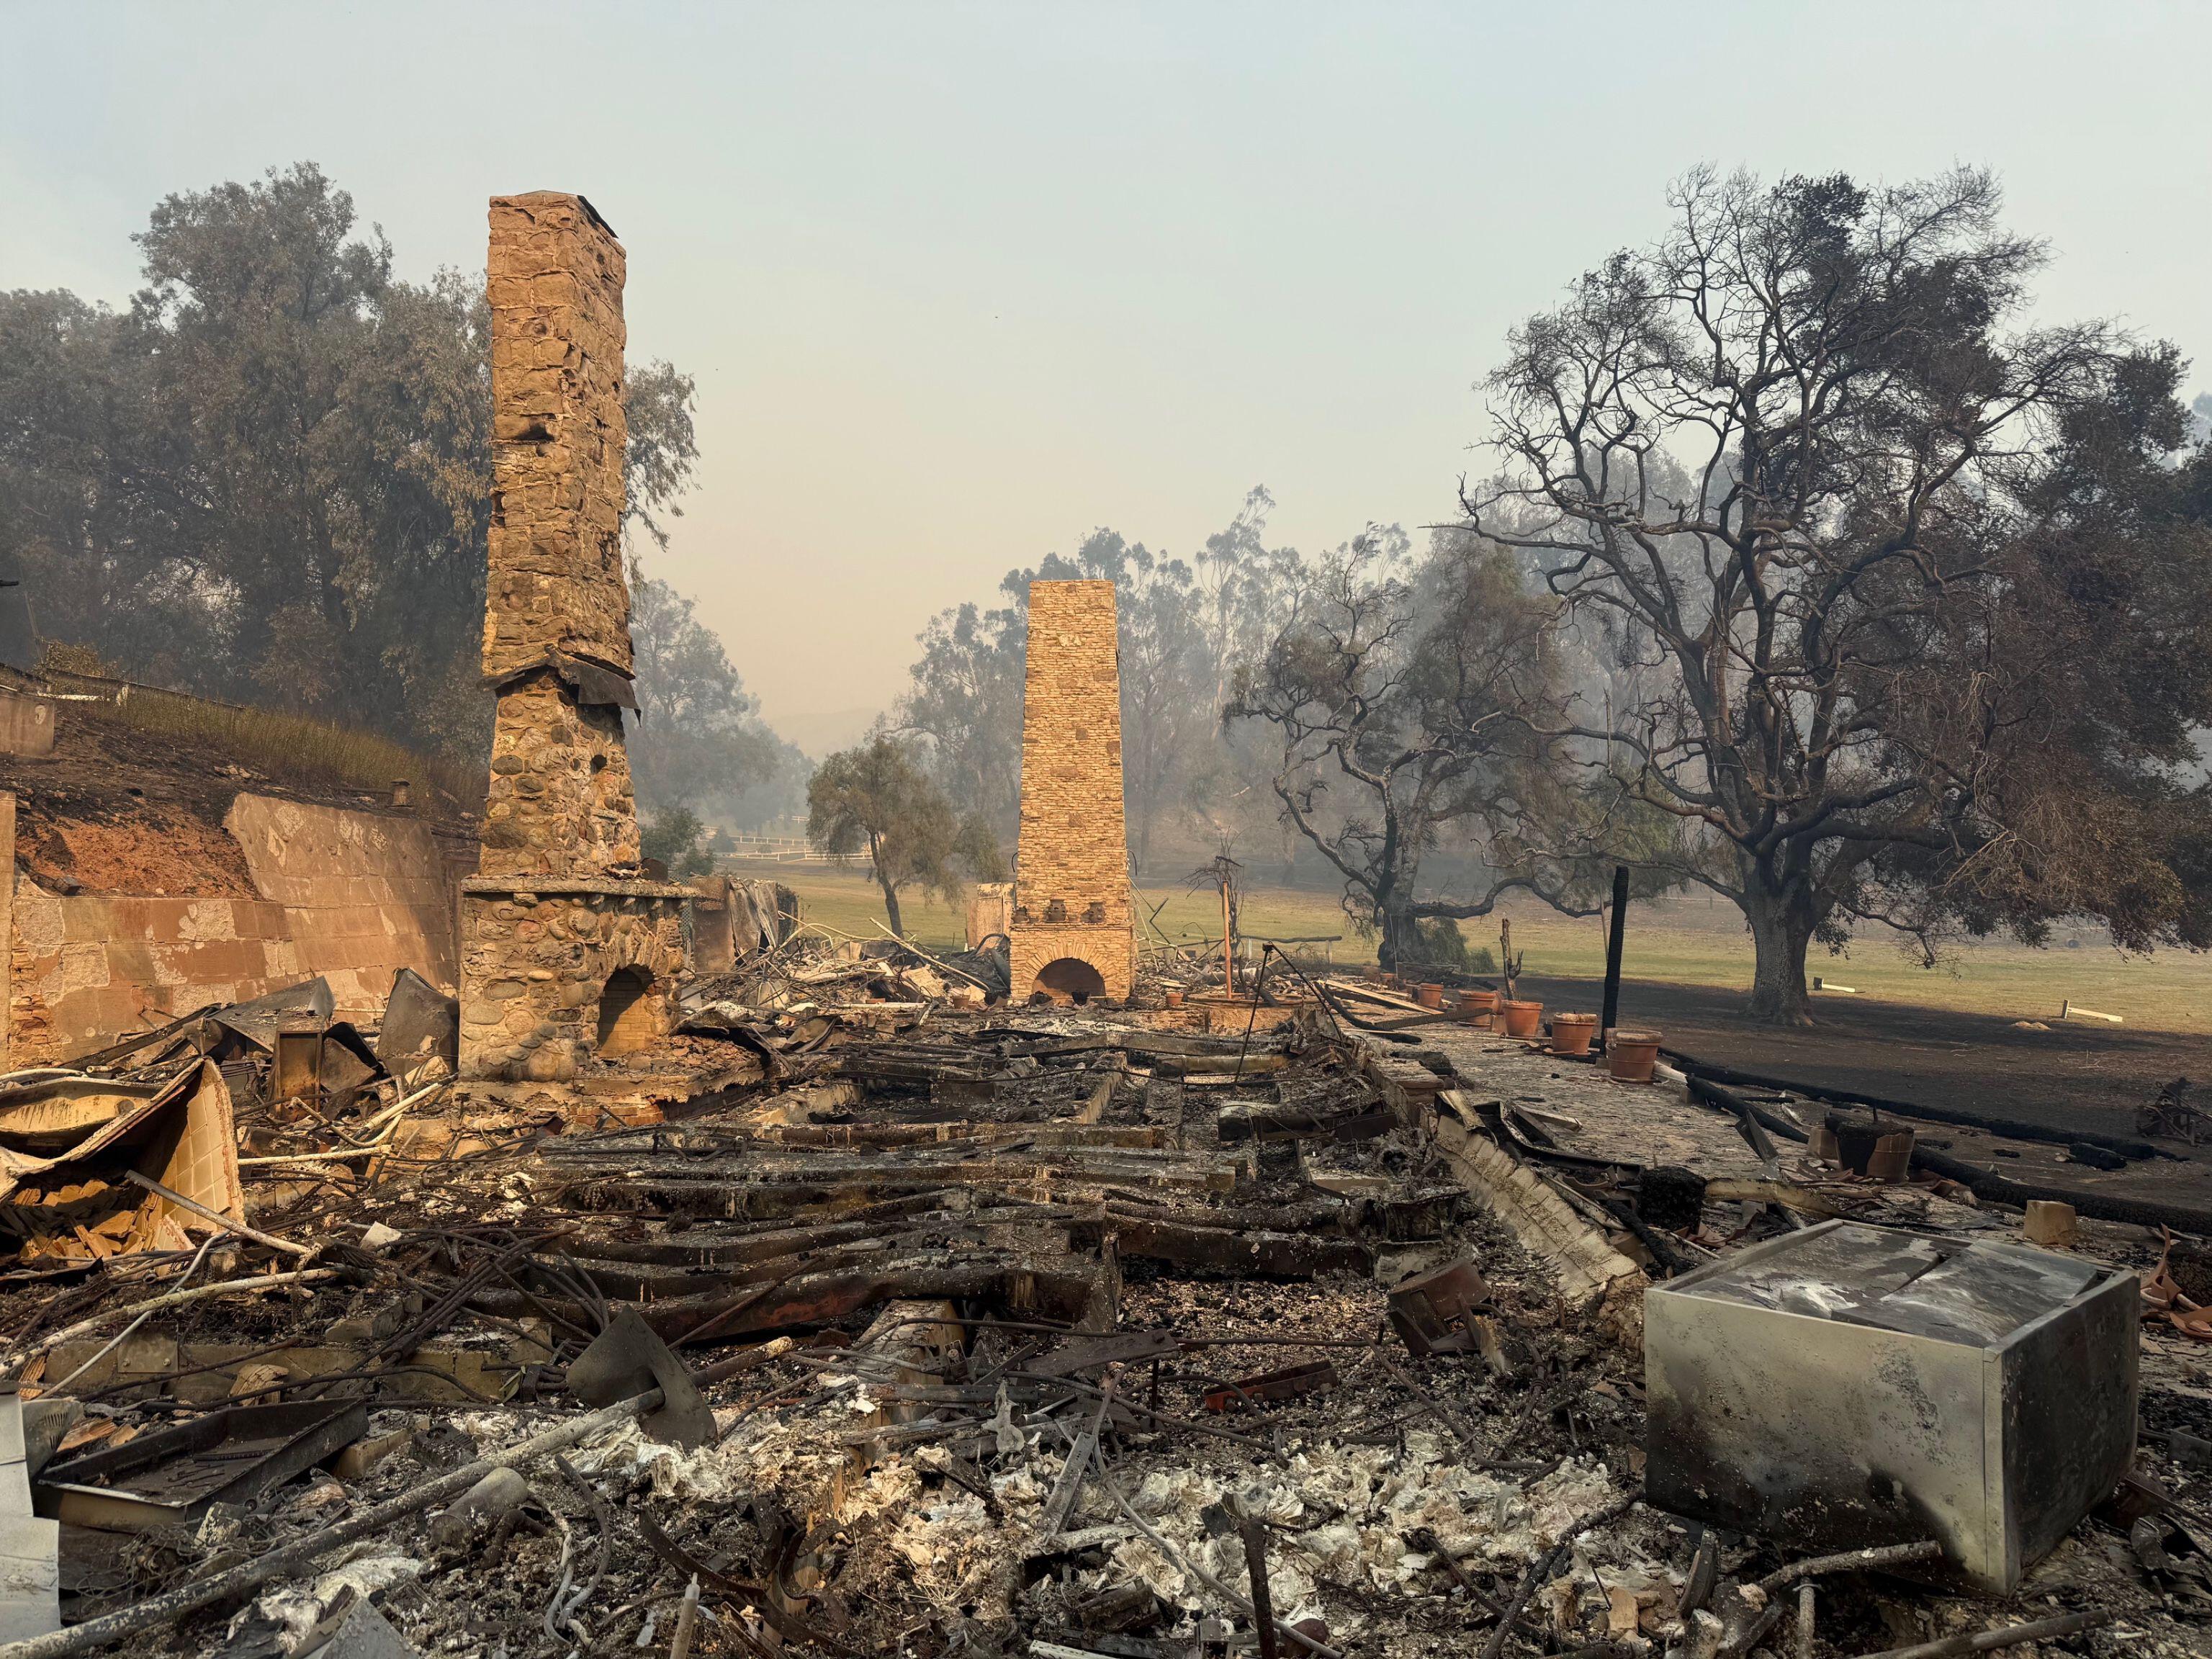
x,y
1571,1034
1879,1151
1476,1007
1429,996
1173,998
1524,1019
1631,1055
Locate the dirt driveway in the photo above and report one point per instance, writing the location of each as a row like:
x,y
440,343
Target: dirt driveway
x,y
2074,1076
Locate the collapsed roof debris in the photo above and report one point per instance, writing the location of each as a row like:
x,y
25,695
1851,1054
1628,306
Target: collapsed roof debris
x,y
743,1288
1014,1329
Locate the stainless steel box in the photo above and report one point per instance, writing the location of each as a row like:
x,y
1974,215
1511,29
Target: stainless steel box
x,y
1852,1385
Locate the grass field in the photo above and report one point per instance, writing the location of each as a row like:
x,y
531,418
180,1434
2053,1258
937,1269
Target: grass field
x,y
1686,942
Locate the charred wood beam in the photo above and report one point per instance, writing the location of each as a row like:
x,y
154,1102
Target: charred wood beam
x,y
713,1250
965,1132
1209,1251
1333,1215
1239,1121
1056,1287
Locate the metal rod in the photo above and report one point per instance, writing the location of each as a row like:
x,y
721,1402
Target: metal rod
x,y
1616,937
216,1216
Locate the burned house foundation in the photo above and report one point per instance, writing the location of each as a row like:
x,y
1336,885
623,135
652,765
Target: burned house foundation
x,y
1312,1320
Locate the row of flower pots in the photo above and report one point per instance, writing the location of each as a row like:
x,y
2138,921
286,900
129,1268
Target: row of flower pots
x,y
1630,1056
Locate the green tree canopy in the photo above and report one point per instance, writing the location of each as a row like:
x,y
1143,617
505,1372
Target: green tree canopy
x,y
875,798
269,478
1911,588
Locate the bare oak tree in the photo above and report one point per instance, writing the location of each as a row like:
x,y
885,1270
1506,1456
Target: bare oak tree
x,y
1805,465
1407,698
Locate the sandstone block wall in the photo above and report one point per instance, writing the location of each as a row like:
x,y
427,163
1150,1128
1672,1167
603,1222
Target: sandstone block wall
x,y
540,965
714,929
363,894
990,910
354,897
554,278
1071,895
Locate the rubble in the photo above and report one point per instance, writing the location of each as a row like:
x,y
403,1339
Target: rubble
x,y
1015,1328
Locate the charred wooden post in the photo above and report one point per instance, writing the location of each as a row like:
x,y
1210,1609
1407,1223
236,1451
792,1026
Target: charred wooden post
x,y
1616,938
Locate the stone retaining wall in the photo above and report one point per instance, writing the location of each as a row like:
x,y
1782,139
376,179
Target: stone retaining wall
x,y
352,896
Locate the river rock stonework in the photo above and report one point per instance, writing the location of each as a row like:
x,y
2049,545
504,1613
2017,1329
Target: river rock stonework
x,y
565,952
560,802
565,970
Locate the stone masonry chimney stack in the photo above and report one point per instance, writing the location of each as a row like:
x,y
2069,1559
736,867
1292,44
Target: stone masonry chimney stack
x,y
565,953
556,603
1073,930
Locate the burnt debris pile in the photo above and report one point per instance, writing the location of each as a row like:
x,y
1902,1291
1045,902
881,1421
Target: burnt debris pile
x,y
864,1316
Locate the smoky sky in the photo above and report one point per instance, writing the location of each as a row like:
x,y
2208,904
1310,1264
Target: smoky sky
x,y
961,282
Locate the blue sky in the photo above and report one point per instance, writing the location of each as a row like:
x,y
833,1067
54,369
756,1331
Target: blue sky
x,y
960,282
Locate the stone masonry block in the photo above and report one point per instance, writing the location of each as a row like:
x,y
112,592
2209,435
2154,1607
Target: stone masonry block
x,y
1071,894
555,278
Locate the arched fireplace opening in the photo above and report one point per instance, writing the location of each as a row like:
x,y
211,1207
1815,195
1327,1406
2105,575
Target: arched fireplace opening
x,y
1070,979
626,1022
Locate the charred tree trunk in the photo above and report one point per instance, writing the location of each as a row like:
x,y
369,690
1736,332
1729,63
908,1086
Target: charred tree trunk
x,y
890,905
1781,930
1400,942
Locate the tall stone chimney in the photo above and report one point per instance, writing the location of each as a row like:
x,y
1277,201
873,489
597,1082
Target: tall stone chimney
x,y
565,953
1073,933
556,601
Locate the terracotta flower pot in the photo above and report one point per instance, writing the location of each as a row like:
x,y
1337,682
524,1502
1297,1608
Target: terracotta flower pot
x,y
1173,998
1524,1019
1571,1033
1429,996
1631,1055
1476,1007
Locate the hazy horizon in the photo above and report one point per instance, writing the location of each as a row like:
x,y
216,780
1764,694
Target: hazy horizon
x,y
960,283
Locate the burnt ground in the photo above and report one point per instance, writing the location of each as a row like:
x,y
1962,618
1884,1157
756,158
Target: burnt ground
x,y
2070,1077
116,809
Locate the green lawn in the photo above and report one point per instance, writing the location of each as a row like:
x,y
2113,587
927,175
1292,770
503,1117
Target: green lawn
x,y
1683,941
